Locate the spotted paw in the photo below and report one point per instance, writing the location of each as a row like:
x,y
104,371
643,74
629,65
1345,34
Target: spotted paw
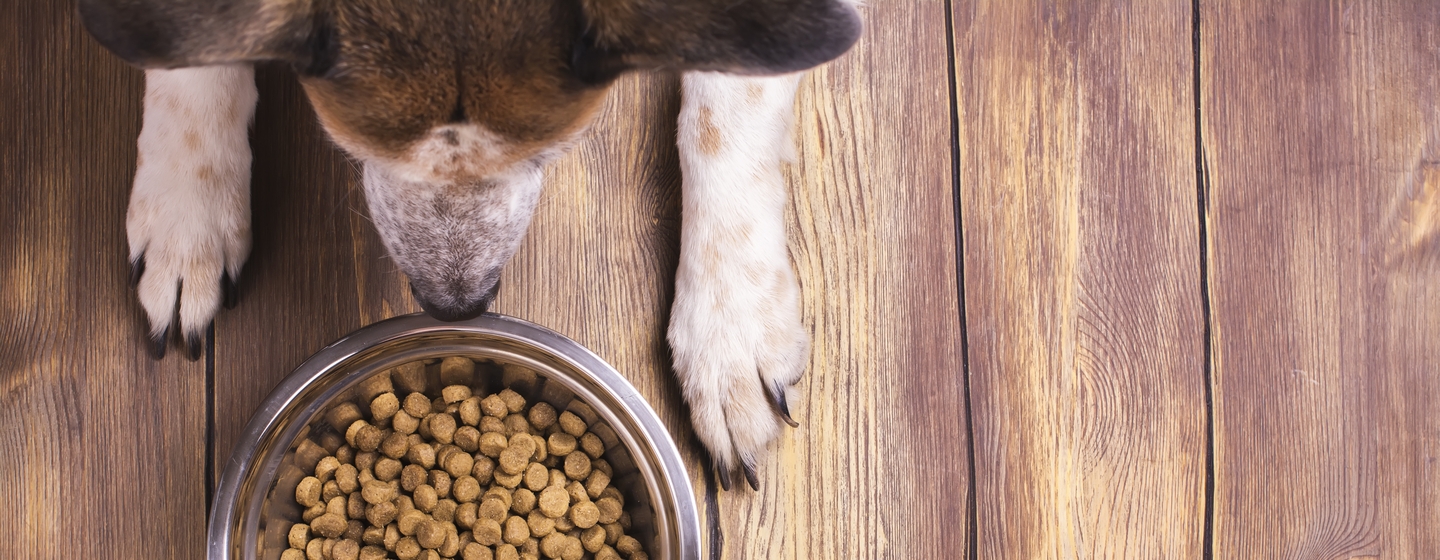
x,y
738,346
189,218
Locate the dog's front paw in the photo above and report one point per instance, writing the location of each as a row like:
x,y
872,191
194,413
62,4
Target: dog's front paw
x,y
189,217
738,346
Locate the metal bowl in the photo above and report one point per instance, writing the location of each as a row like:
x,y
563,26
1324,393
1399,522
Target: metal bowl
x,y
255,502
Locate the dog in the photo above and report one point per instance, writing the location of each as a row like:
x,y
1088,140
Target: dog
x,y
452,109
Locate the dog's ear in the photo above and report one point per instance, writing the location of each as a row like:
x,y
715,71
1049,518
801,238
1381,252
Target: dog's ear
x,y
176,33
736,36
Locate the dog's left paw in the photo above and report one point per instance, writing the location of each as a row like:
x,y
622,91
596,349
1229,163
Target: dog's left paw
x,y
738,344
189,218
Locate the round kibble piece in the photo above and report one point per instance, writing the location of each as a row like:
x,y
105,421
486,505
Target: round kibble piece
x,y
407,549
416,405
584,515
381,514
425,498
577,466
329,491
608,509
484,469
593,539
395,445
384,407
347,478
553,545
492,444
421,454
596,483
330,525
314,548
627,545
514,402
459,464
492,424
442,427
603,466
469,411
412,476
541,416
537,477
493,508
553,501
372,553
307,493
607,553
507,552
467,438
343,415
293,554
561,444
326,468
573,549
516,531
388,469
441,481
540,524
299,535
486,531
465,489
523,501
494,406
476,551
409,521
516,456
404,423
455,393
345,550
430,534
577,492
516,424
591,445
467,513
571,424
444,510
369,438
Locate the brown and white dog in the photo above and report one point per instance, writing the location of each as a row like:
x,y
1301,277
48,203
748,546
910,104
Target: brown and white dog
x,y
453,107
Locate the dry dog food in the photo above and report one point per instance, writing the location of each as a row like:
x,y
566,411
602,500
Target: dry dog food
x,y
454,474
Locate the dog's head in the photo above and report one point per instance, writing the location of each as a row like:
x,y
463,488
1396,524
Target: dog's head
x,y
454,106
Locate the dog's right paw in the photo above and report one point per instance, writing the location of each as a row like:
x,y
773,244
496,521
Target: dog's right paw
x,y
189,217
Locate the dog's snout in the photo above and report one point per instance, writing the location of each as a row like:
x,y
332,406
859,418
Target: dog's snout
x,y
462,311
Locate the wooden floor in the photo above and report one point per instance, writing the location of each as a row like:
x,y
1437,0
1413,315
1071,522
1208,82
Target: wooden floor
x,y
1086,279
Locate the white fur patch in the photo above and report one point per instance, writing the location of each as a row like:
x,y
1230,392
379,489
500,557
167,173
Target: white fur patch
x,y
735,327
189,214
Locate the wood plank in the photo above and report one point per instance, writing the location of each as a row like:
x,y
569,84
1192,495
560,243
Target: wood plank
x,y
97,441
1082,278
1322,133
872,234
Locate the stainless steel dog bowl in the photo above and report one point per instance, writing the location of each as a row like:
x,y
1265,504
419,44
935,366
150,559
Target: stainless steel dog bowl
x,y
255,505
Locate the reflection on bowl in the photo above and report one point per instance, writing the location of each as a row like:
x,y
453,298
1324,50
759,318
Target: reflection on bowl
x,y
255,501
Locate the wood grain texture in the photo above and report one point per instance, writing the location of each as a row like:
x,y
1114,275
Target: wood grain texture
x,y
872,235
1082,278
1322,133
96,440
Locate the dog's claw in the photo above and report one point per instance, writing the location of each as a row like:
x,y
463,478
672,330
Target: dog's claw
x,y
137,269
194,345
750,477
782,406
229,290
158,343
723,473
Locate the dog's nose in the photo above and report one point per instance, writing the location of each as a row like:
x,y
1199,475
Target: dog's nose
x,y
451,313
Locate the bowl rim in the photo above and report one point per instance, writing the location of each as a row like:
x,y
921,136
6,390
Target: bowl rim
x,y
678,489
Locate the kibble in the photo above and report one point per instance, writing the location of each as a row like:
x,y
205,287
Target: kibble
x,y
452,473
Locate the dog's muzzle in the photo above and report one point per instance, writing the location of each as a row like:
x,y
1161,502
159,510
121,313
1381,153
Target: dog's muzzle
x,y
461,313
